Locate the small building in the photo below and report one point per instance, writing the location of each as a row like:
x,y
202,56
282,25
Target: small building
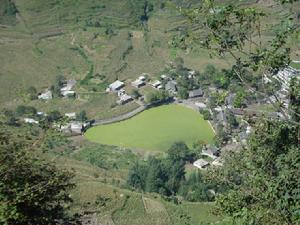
x,y
196,93
210,151
68,85
121,92
66,90
201,105
47,95
31,121
142,77
76,127
124,99
201,164
156,84
68,94
71,115
171,86
218,109
40,113
115,86
164,77
138,83
229,100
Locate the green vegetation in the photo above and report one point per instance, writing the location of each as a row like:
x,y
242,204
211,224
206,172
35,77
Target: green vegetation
x,y
264,178
157,97
32,190
155,129
167,176
153,183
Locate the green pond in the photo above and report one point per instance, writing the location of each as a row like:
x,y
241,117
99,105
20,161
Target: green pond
x,y
155,129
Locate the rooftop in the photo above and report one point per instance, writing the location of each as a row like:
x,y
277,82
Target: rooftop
x,y
201,163
195,93
116,85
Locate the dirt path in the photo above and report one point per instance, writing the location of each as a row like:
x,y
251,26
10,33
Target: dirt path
x,y
122,117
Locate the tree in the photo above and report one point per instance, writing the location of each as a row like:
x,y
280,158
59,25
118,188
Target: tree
x,y
25,110
157,96
135,94
156,177
32,191
54,116
239,99
82,116
206,114
295,99
176,175
231,119
183,93
238,32
137,176
264,178
10,8
178,152
32,93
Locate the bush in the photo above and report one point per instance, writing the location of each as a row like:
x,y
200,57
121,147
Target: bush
x,y
206,114
157,96
25,110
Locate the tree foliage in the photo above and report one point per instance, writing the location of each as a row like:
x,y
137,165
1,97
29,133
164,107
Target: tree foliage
x,y
264,178
229,30
32,191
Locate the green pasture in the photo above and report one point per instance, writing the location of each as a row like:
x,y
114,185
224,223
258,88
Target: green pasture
x,y
155,129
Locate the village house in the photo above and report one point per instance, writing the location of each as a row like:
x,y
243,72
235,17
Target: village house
x,y
196,93
156,84
31,121
40,113
66,90
76,127
71,115
211,151
124,99
221,118
47,95
143,77
164,77
201,164
229,101
201,105
139,82
115,86
171,86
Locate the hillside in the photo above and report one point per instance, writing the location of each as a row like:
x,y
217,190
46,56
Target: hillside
x,y
154,129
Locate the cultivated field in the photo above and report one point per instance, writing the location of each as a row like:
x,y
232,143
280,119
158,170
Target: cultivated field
x,y
155,129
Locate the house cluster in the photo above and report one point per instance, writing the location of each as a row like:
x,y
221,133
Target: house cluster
x,y
65,91
117,87
210,156
71,125
284,77
68,124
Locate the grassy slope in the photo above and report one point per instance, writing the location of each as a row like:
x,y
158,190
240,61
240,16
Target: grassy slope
x,y
26,60
99,191
155,129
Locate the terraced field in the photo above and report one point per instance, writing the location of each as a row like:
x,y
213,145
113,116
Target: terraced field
x,y
155,129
